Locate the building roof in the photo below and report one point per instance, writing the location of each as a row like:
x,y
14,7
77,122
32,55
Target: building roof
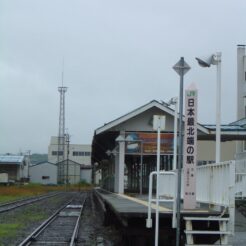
x,y
42,163
83,166
11,159
228,132
162,106
227,128
241,122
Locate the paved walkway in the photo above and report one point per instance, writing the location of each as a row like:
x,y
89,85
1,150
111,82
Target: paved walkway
x,y
239,238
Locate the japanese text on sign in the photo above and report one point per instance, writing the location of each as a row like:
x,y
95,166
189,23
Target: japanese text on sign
x,y
190,148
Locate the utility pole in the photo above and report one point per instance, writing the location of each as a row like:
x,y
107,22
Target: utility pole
x,y
181,68
68,142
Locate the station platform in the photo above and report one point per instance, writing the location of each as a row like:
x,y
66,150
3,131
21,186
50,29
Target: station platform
x,y
130,210
131,205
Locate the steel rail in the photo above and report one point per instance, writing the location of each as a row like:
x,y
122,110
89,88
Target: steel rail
x,y
23,202
74,234
37,231
76,228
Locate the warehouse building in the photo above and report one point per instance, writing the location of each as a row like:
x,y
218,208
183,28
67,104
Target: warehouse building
x,y
16,167
43,173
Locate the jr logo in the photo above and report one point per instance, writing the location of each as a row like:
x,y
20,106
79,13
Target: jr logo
x,y
191,93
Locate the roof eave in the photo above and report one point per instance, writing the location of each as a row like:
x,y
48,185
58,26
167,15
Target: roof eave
x,y
138,111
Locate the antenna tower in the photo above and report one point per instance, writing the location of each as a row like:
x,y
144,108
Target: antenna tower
x,y
61,133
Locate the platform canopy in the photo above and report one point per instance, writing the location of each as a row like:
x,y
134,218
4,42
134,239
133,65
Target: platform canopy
x,y
141,119
138,120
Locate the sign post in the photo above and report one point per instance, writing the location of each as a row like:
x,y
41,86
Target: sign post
x,y
190,147
159,122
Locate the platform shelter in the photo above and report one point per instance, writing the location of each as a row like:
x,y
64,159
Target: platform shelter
x,y
124,150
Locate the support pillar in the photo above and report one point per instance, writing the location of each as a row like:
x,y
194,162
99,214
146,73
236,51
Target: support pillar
x,y
121,167
116,173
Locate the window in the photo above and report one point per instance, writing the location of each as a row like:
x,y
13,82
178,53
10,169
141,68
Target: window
x,y
81,153
55,152
76,153
45,177
87,153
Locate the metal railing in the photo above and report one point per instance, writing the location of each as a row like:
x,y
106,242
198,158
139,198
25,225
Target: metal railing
x,y
215,186
167,193
215,182
240,182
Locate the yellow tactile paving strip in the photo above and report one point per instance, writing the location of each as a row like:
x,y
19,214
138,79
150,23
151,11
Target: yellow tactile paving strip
x,y
161,208
153,206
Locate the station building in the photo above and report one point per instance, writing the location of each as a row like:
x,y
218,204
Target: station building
x,y
108,154
120,161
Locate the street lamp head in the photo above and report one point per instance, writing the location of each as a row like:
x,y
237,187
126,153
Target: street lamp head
x,y
203,63
213,59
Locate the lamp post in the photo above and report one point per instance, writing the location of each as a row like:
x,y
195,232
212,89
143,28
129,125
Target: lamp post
x,y
174,101
215,59
181,67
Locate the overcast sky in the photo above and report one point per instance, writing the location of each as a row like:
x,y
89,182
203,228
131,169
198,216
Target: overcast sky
x,y
118,55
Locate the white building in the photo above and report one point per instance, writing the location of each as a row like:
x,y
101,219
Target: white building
x,y
75,165
43,173
79,153
85,173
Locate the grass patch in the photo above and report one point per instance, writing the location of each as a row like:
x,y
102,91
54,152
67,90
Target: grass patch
x,y
30,216
15,192
9,230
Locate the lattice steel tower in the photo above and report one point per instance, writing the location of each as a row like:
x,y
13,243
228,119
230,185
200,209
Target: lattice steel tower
x,y
61,135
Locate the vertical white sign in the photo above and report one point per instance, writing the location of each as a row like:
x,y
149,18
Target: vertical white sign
x,y
190,147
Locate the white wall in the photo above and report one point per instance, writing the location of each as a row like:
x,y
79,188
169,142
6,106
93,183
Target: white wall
x,y
80,153
44,173
144,121
85,174
206,150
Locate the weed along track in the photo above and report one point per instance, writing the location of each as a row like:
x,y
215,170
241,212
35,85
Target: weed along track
x,y
23,202
62,227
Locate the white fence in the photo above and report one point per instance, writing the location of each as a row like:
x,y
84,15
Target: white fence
x,y
215,186
215,183
240,179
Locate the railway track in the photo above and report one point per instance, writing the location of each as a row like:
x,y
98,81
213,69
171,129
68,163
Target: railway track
x,y
62,227
19,203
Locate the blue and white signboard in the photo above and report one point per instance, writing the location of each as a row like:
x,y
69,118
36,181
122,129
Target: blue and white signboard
x,y
190,147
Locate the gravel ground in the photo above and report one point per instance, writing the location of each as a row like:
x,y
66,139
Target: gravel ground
x,y
92,231
29,217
